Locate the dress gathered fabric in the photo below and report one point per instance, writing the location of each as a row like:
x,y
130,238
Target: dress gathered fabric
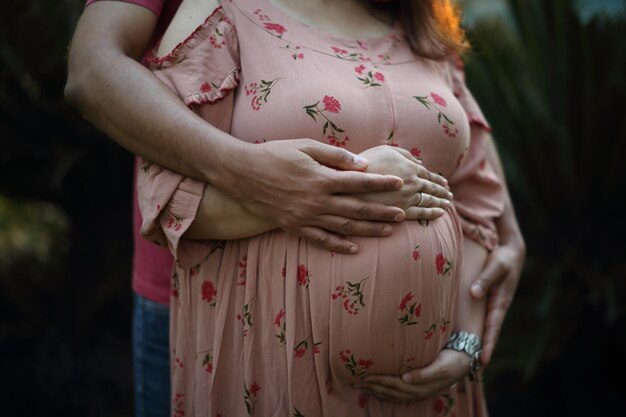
x,y
272,325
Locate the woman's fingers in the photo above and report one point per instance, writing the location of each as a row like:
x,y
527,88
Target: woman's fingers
x,y
423,213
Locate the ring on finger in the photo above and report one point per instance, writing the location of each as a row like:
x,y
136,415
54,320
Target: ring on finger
x,y
419,202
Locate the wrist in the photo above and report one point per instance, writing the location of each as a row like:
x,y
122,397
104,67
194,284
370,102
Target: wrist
x,y
471,345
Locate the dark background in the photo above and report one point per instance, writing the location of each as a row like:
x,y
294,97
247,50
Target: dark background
x,y
550,80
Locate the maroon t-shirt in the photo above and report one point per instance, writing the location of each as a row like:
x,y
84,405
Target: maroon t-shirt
x,y
152,264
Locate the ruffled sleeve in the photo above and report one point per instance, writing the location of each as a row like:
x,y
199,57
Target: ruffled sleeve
x,y
478,190
202,70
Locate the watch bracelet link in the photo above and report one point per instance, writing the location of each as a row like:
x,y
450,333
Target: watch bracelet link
x,y
470,344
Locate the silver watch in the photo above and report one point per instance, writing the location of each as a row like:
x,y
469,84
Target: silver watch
x,y
469,343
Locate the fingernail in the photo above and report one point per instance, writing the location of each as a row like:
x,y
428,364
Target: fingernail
x,y
477,290
387,230
358,160
407,378
353,250
399,217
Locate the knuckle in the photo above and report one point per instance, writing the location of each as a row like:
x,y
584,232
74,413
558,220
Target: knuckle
x,y
347,227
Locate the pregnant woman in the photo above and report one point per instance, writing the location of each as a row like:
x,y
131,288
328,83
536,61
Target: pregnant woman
x,y
264,323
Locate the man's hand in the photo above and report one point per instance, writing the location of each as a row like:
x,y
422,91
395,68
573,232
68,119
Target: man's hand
x,y
499,280
305,187
447,369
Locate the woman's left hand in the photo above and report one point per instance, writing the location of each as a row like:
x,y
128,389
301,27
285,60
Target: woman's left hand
x,y
447,369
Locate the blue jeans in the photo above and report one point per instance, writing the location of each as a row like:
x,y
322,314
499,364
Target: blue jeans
x,y
151,358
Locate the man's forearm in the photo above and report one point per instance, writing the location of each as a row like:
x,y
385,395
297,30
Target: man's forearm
x,y
178,137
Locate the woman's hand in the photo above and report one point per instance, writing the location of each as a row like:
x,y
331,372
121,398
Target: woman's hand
x,y
447,369
424,194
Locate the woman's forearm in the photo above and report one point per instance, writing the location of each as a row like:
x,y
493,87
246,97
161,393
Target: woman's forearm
x,y
222,217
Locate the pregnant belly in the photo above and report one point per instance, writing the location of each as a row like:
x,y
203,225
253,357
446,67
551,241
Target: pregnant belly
x,y
389,308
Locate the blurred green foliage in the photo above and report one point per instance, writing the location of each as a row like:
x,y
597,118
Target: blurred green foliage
x,y
554,90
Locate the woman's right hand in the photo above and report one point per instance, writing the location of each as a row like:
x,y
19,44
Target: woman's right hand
x,y
424,195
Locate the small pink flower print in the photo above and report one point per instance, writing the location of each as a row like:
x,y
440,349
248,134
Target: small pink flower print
x,y
356,367
279,317
207,363
175,223
482,164
209,292
295,52
280,324
178,363
249,397
205,87
243,268
262,17
362,400
409,313
369,78
439,406
443,265
444,405
428,333
416,152
331,104
178,405
276,28
195,270
339,51
438,99
300,352
260,92
443,326
217,38
416,255
447,125
303,276
351,297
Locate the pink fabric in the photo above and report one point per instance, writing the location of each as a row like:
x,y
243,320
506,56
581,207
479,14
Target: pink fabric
x,y
271,325
152,265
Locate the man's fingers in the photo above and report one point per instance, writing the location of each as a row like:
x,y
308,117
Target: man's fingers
x,y
326,240
334,157
493,273
496,311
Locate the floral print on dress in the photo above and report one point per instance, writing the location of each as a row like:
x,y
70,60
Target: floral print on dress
x,y
444,405
416,152
216,38
295,51
416,255
297,413
356,367
436,102
178,405
349,56
390,141
260,92
279,322
246,317
303,347
145,165
304,276
331,105
207,362
409,312
175,222
266,23
250,397
362,400
209,293
442,324
369,77
443,265
352,296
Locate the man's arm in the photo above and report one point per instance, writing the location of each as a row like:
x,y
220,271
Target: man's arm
x,y
293,184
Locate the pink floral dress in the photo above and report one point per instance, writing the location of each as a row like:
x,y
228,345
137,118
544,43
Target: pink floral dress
x,y
271,325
